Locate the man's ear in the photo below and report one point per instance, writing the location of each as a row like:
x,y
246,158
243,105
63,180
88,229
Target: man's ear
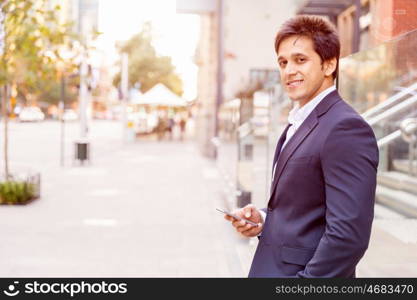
x,y
329,66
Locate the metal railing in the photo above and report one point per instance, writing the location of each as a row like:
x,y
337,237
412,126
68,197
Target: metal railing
x,y
388,139
391,100
408,127
392,111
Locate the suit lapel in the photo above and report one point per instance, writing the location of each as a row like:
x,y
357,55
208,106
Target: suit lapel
x,y
302,132
279,145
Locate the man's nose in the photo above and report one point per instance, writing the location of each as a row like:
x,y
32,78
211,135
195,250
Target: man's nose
x,y
291,69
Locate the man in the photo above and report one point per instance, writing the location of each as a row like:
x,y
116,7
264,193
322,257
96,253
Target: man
x,y
320,211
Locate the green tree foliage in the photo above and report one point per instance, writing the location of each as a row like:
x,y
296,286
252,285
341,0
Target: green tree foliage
x,y
34,38
146,67
31,56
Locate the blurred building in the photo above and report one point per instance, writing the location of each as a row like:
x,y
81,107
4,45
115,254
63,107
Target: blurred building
x,y
363,24
241,102
378,77
83,14
207,59
237,36
87,16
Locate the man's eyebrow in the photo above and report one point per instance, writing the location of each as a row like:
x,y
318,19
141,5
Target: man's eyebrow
x,y
292,55
298,54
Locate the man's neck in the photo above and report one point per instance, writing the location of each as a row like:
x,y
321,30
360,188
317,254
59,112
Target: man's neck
x,y
324,87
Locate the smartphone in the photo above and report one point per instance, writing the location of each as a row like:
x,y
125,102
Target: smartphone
x,y
236,217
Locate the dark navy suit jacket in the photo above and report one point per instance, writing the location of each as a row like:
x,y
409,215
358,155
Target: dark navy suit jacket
x,y
321,207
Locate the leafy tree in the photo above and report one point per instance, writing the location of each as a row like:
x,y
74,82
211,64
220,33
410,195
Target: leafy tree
x,y
146,67
32,52
49,91
33,40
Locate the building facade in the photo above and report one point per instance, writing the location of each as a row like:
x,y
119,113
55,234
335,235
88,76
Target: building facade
x,y
237,36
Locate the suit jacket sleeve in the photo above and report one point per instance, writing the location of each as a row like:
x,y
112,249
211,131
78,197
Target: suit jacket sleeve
x,y
349,160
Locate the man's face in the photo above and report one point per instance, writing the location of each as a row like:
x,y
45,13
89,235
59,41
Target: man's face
x,y
302,72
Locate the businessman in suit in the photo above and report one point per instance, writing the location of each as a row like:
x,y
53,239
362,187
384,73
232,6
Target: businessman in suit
x,y
320,210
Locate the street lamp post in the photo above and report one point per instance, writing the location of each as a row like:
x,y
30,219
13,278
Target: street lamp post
x,y
5,117
82,145
62,110
83,99
65,56
125,90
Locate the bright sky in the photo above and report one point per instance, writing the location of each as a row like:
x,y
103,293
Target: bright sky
x,y
176,35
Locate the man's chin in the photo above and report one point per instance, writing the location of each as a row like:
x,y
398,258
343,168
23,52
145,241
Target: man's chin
x,y
298,99
295,97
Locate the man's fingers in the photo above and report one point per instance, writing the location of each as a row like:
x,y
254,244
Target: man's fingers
x,y
238,224
252,231
248,210
241,229
228,218
245,228
242,226
239,213
248,213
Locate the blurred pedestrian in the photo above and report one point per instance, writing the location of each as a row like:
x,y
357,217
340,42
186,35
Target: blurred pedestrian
x,y
183,125
170,127
161,128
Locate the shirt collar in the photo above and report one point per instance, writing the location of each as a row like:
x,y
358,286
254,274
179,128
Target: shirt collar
x,y
297,115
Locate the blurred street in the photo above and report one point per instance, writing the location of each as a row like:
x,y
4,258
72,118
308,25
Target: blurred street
x,y
200,103
144,208
141,209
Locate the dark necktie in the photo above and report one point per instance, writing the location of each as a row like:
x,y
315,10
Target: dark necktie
x,y
281,141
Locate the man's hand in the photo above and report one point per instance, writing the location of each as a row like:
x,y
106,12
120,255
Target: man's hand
x,y
250,213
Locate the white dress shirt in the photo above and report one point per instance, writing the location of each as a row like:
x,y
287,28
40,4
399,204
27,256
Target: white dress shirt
x,y
296,117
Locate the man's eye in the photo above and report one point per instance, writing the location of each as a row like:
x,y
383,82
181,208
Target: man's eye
x,y
301,60
282,63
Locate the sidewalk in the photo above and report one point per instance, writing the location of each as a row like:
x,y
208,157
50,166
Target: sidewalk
x,y
141,209
392,251
144,209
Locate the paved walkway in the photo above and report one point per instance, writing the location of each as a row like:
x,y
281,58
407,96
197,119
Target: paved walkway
x,y
143,209
140,209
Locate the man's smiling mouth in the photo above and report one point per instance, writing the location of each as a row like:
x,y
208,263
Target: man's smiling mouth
x,y
294,83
